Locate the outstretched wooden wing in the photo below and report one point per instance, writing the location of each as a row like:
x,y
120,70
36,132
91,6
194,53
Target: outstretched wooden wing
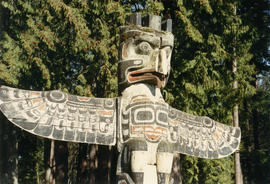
x,y
201,136
60,116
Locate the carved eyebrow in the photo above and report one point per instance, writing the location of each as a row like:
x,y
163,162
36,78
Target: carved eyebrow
x,y
166,41
153,40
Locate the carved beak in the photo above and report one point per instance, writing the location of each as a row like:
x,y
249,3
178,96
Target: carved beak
x,y
162,63
155,72
149,76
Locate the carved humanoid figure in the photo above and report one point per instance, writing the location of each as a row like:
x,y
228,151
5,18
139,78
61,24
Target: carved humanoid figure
x,y
145,128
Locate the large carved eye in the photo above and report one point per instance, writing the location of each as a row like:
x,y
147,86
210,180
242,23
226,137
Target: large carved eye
x,y
144,115
162,117
144,48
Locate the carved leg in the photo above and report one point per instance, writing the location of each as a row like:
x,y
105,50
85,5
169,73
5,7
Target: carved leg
x,y
164,163
145,163
131,163
138,164
164,167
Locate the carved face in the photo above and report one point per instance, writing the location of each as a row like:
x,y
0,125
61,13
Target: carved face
x,y
144,56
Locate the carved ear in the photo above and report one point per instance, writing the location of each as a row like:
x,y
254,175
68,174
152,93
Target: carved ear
x,y
57,115
203,137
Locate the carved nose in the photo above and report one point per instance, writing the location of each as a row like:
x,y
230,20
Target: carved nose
x,y
162,64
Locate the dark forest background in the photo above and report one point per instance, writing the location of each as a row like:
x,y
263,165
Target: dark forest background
x,y
72,45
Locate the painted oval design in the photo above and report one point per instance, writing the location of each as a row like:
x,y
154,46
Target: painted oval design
x,y
56,96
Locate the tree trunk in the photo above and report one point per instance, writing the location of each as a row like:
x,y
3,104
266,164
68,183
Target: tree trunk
x,y
237,164
107,161
255,122
73,160
56,162
176,170
61,162
49,161
9,152
93,162
82,167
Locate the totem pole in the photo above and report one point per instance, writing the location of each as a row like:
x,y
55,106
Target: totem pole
x,y
145,128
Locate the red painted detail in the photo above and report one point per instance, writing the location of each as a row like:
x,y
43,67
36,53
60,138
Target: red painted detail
x,y
42,107
149,75
37,100
122,182
34,93
151,132
81,98
140,100
105,113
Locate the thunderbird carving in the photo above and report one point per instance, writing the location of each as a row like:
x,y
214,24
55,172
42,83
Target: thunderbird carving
x,y
145,128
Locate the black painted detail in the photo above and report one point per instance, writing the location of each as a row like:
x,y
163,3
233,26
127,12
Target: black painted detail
x,y
163,117
165,147
203,154
24,123
30,114
208,122
58,133
125,158
144,115
90,137
196,152
56,96
137,177
237,132
137,145
161,178
124,178
104,139
225,151
235,144
80,136
4,94
69,135
43,130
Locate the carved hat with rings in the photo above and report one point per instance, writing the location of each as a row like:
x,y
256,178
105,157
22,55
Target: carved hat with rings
x,y
145,51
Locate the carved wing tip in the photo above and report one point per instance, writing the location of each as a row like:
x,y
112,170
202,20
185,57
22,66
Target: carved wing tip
x,y
2,93
5,87
233,145
237,132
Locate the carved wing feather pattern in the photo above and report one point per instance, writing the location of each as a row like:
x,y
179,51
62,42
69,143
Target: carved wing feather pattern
x,y
203,137
57,115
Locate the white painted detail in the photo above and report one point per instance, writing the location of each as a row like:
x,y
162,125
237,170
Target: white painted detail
x,y
164,162
137,62
151,154
138,161
125,132
150,174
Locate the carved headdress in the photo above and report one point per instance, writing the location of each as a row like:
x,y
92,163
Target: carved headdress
x,y
145,51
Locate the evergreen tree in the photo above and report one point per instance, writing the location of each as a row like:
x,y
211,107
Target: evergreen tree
x,y
61,45
208,36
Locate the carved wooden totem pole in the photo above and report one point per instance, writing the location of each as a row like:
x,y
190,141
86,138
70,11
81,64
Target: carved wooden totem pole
x,y
145,128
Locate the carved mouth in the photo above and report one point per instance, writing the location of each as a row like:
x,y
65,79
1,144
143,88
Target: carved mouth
x,y
149,76
152,133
